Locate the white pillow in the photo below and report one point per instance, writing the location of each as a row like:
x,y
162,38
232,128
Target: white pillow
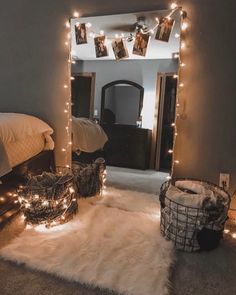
x,y
14,127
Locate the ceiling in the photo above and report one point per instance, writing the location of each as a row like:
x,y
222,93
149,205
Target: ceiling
x,y
117,24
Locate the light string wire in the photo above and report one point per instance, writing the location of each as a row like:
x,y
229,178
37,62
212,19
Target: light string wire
x,y
180,86
184,25
94,34
67,108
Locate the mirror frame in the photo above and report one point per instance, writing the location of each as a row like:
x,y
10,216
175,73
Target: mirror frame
x,y
105,87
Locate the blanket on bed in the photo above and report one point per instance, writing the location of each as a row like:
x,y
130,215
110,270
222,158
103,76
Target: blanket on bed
x,y
87,135
15,127
4,162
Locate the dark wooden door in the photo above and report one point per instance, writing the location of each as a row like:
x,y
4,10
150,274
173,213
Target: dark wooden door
x,y
81,88
168,117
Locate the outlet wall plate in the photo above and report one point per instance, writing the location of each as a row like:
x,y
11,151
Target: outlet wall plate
x,y
224,181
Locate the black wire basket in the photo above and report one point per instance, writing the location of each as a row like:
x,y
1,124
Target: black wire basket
x,y
48,199
89,178
190,228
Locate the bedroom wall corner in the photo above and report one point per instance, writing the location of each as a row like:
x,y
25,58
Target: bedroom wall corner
x,y
206,141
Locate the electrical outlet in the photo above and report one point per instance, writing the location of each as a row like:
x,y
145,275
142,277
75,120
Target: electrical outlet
x,y
224,181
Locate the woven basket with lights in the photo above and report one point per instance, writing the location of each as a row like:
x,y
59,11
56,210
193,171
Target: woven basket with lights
x,y
48,199
89,178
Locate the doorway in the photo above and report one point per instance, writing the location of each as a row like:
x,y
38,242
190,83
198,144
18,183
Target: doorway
x,y
82,92
164,131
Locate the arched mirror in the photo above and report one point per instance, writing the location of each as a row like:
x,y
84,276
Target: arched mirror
x,y
122,103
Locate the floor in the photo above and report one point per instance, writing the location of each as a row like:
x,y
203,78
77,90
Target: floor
x,y
205,273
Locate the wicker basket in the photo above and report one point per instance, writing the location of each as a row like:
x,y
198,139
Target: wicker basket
x,y
89,177
50,203
190,228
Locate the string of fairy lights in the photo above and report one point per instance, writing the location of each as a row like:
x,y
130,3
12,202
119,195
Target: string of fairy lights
x,y
180,56
128,37
184,25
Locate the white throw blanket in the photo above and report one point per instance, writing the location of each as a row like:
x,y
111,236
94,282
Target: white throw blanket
x,y
87,135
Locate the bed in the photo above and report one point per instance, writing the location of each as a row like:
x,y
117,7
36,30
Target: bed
x,y
22,137
88,140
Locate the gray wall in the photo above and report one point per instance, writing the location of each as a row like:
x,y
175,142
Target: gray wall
x,y
143,72
124,102
206,144
33,70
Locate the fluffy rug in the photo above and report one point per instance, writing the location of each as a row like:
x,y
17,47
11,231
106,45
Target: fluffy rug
x,y
114,242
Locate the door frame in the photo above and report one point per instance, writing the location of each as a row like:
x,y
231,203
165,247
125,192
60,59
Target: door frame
x,y
92,75
158,118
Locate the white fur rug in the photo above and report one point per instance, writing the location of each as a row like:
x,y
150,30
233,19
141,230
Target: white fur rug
x,y
114,242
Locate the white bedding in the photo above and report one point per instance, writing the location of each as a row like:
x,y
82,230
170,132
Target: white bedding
x,y
22,150
87,136
22,137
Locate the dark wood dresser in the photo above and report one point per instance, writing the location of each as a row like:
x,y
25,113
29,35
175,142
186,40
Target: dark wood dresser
x,y
127,146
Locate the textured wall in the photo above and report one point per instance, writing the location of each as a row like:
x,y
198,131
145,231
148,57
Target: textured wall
x,y
206,143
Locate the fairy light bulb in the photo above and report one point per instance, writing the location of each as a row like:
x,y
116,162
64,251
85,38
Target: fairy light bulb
x,y
65,86
71,190
116,36
102,32
181,85
226,231
182,64
76,14
184,26
173,124
176,161
175,76
77,24
234,235
173,5
88,25
177,35
170,151
67,24
183,45
176,55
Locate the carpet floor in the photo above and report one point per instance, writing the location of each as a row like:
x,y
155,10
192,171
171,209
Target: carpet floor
x,y
205,273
